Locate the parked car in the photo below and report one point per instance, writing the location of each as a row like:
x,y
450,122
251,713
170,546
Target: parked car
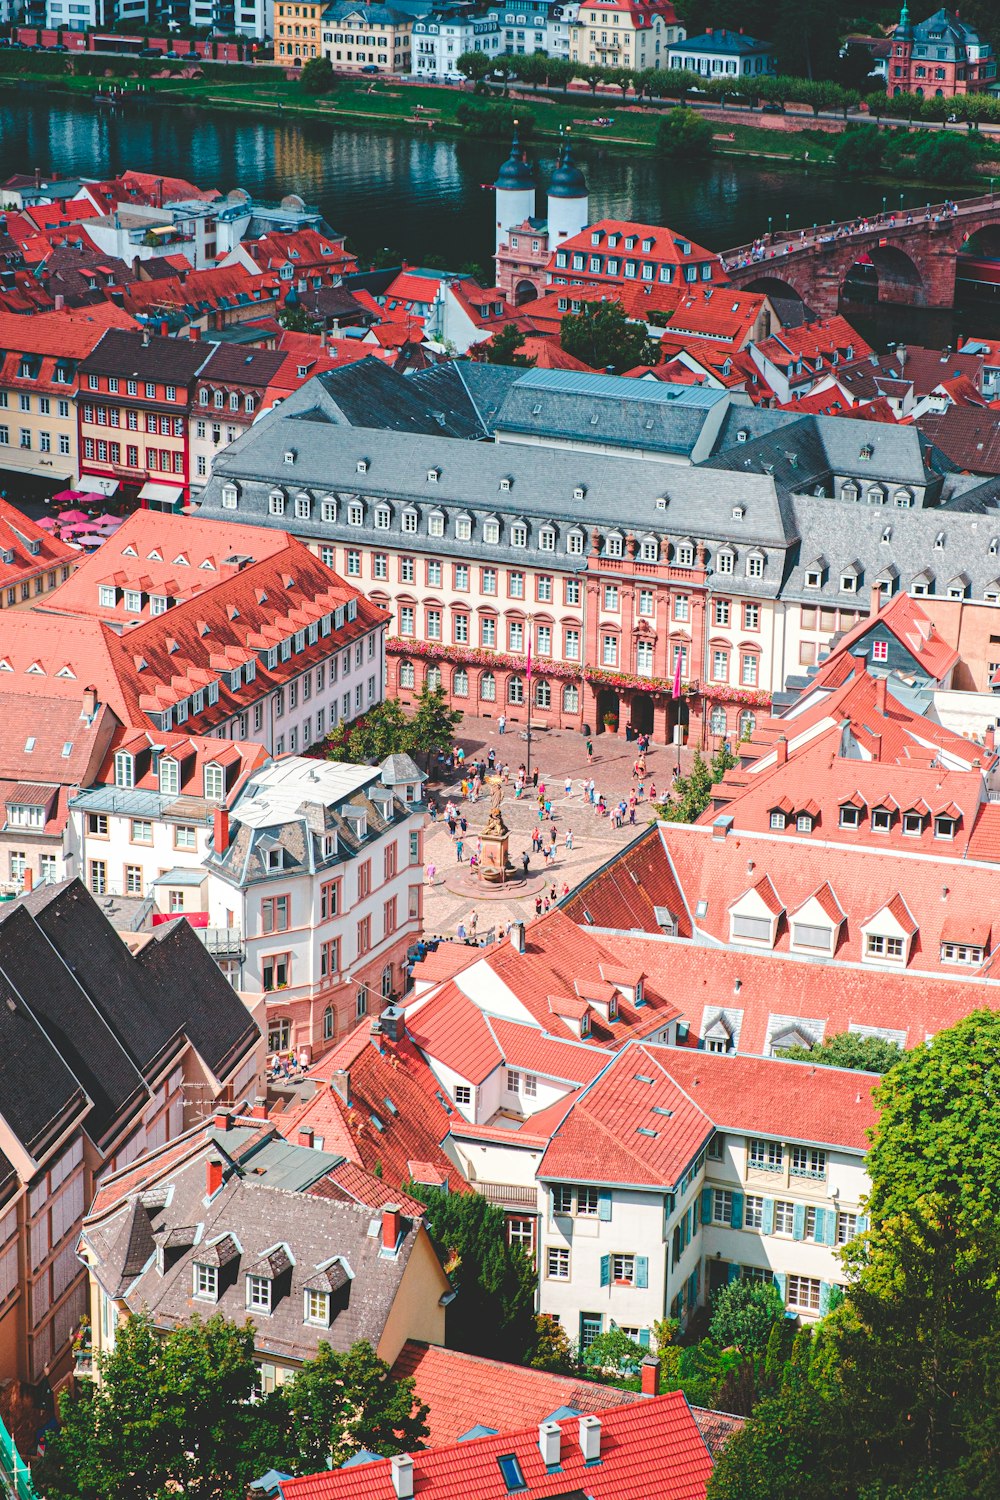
x,y
371,68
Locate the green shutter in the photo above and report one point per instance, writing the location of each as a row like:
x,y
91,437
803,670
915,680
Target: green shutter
x,y
824,1298
767,1224
642,1271
862,1223
644,1338
604,1205
733,1274
779,1281
799,1222
706,1205
605,1270
736,1212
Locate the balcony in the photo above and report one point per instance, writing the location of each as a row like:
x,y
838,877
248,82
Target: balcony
x,y
223,942
508,1195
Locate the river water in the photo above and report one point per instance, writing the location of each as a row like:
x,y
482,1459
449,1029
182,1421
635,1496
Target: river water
x,y
423,196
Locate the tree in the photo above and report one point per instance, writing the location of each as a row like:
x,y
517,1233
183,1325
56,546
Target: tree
x,y
317,77
684,133
694,792
744,1314
553,1350
493,1312
502,348
384,730
172,1414
474,65
592,76
859,149
434,724
869,1054
613,1353
946,158
338,1404
602,335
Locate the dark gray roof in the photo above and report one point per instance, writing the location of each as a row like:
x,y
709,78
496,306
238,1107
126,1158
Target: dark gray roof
x,y
457,384
122,352
39,1096
369,393
729,43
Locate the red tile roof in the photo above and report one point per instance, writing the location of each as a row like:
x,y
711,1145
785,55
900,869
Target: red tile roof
x,y
27,548
462,1391
716,313
906,619
823,343
625,892
649,1448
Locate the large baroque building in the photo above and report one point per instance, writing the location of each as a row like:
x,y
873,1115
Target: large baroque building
x,y
941,56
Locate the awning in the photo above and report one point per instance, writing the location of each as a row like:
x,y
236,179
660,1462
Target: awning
x,y
37,471
179,876
101,486
161,494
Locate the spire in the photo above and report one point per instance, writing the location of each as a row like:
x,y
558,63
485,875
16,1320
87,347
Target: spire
x,y
515,172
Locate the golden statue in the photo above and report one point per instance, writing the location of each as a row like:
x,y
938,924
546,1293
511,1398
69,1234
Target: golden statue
x,y
495,825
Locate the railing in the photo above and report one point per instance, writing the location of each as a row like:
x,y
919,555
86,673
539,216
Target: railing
x,y
14,1472
508,1195
220,939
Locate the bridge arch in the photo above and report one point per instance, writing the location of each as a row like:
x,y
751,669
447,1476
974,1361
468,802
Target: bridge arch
x,y
780,287
889,272
984,243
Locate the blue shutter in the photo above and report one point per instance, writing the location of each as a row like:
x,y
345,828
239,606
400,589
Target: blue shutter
x,y
736,1212
733,1274
862,1223
642,1271
644,1338
779,1281
604,1205
706,1205
831,1227
605,1270
799,1222
824,1298
767,1224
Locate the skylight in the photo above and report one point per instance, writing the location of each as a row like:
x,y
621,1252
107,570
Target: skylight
x,y
513,1475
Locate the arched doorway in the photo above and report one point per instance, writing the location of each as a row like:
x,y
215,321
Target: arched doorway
x,y
525,291
678,712
641,713
607,709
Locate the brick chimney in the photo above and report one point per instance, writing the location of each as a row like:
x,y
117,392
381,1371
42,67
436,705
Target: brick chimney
x,y
392,1224
650,1372
881,693
590,1439
89,703
550,1443
781,750
340,1082
164,327
194,334
990,739
27,880
876,601
221,830
220,1120
517,936
213,1176
305,1136
259,1111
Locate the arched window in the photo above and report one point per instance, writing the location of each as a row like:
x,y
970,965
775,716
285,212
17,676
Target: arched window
x,y
571,698
406,674
361,1001
717,722
328,1024
433,678
460,683
515,690
543,694
748,723
387,982
488,688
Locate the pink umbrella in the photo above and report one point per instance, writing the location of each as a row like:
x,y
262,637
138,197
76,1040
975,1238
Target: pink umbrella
x,y
46,523
65,495
72,515
90,540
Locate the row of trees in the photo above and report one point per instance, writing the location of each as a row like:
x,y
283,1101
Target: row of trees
x,y
388,730
897,1394
933,156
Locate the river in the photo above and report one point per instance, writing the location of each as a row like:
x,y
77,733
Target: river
x,y
422,196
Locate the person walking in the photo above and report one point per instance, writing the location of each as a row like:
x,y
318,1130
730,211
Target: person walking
x,y
525,862
460,932
538,906
569,838
553,835
569,786
491,758
590,752
534,777
429,874
501,723
459,846
473,921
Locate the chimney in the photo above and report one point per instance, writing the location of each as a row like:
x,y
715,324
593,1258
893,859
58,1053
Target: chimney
x,y
590,1439
722,825
213,1176
145,338
990,739
650,1371
881,693
392,1223
549,1443
392,1023
259,1111
341,1084
517,936
220,1120
89,704
164,327
876,601
27,880
402,1476
221,830
876,746
305,1136
782,749
60,302
38,177
194,334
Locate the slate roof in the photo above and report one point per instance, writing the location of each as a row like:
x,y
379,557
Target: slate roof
x,y
726,43
161,359
371,394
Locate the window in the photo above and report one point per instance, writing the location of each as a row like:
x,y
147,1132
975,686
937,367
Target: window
x,y
764,1156
753,1213
722,1206
682,605
206,1282
623,1270
807,1161
850,817
97,824
755,565
877,946
847,1227
944,827
784,1216
880,650
259,1294
142,831
749,665
98,875
274,914
609,651
587,1202
720,666
463,1094
275,971
611,596
557,1263
804,1293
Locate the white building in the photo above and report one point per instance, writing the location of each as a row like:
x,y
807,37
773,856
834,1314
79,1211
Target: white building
x,y
541,26
440,40
723,54
319,867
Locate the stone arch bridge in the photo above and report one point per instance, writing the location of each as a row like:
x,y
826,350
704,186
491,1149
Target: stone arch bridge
x,y
913,254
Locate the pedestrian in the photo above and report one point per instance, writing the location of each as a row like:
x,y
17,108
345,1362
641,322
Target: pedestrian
x,y
590,790
641,792
565,889
541,790
538,906
476,784
465,787
534,777
590,752
432,810
548,807
460,756
491,757
502,723
459,846
552,893
569,786
429,874
525,862
552,834
460,932
631,814
652,791
547,903
462,823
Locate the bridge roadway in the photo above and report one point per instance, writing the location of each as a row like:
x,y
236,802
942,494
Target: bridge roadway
x,y
915,255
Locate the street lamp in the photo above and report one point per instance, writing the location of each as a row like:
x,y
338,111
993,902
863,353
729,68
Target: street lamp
x,y
883,205
901,203
770,221
787,217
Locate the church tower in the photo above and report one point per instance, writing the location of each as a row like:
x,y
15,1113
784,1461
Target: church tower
x,y
569,201
515,191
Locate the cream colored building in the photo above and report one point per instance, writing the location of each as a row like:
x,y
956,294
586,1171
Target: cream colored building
x,y
621,34
367,38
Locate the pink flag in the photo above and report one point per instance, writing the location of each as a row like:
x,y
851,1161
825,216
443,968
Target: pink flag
x,y
677,676
528,668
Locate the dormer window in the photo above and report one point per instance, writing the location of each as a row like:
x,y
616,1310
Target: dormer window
x,y
579,492
755,565
614,544
519,534
124,769
778,820
276,503
206,1283
849,583
804,823
435,523
685,555
574,543
505,484
739,512
362,466
409,520
259,1294
170,778
814,578
546,539
381,518
945,826
649,550
491,532
433,475
725,560
882,818
316,1310
913,824
850,816
230,497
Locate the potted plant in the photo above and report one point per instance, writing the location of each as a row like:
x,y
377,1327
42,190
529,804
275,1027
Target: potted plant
x,y
611,722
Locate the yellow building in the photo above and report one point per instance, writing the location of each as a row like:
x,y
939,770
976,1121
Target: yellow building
x,y
39,379
296,33
624,34
367,38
